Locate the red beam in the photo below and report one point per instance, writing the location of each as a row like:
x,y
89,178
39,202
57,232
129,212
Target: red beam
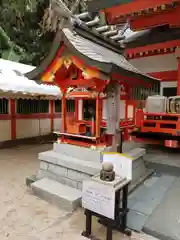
x,y
58,54
5,117
13,118
29,116
33,116
115,13
153,47
167,76
170,17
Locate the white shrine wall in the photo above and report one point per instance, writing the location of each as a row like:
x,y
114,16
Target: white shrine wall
x,y
22,126
26,128
57,124
158,63
5,130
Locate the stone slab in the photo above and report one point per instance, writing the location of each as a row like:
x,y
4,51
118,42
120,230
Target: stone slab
x,y
83,153
129,145
146,198
63,180
67,198
89,167
153,189
164,168
136,153
164,223
135,220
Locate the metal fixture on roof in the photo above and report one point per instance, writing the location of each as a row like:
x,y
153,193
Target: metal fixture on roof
x,y
117,37
110,33
113,32
84,16
102,29
95,23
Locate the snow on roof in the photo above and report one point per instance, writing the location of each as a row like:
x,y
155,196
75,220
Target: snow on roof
x,y
20,67
12,79
130,35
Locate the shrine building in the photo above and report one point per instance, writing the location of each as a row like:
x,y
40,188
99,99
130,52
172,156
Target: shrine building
x,y
83,62
154,42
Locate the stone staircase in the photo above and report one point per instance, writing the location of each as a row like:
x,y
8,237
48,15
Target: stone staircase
x,y
67,166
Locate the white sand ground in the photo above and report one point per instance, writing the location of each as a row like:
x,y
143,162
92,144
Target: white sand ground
x,y
26,217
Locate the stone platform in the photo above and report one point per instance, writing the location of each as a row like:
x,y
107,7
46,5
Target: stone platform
x,y
57,194
70,165
67,166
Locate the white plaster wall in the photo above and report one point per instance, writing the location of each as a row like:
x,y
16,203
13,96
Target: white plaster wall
x,y
130,112
104,109
80,109
160,63
45,126
167,85
57,124
122,109
26,128
5,130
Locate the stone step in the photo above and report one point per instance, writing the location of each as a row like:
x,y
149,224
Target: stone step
x,y
64,197
83,153
60,159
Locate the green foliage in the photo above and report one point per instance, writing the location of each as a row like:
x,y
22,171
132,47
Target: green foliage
x,y
20,30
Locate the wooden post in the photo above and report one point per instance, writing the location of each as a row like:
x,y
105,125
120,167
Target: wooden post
x,y
63,128
178,78
98,117
13,118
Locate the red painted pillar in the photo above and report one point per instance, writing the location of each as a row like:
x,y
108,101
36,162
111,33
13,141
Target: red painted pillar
x,y
177,53
13,118
63,128
97,123
178,78
52,114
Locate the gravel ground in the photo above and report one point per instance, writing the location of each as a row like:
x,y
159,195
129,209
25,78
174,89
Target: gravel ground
x,y
26,217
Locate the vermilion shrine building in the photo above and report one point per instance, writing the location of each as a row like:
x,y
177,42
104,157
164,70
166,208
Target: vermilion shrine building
x,y
88,63
152,46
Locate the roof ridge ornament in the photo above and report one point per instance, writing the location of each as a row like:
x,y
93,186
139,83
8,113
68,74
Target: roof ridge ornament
x,y
58,14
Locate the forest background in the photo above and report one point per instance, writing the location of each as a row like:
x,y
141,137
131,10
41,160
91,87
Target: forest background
x,y
22,36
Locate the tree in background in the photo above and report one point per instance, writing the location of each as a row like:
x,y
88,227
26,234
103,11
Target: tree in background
x,y
22,36
21,30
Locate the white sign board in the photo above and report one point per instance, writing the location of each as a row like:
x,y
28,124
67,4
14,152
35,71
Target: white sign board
x,y
122,164
99,198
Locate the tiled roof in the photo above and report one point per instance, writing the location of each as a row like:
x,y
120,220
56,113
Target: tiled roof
x,y
92,38
99,53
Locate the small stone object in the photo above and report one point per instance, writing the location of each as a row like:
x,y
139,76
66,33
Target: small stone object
x,y
107,173
107,166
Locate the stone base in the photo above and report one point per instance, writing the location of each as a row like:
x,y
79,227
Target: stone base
x,y
70,165
30,180
58,194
